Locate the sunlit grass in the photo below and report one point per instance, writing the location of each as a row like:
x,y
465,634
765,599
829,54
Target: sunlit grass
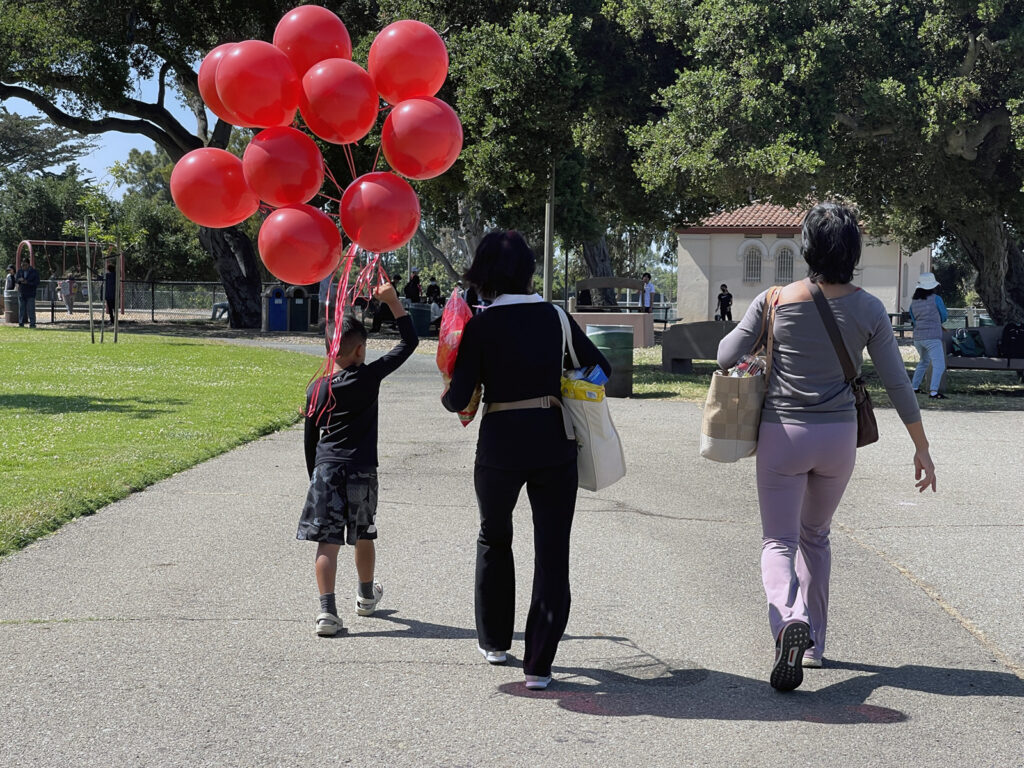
x,y
82,424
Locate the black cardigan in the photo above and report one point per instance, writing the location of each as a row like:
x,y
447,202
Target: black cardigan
x,y
515,351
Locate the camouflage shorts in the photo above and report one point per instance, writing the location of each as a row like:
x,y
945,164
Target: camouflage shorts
x,y
341,505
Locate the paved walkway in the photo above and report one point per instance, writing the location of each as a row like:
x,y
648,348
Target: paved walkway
x,y
174,628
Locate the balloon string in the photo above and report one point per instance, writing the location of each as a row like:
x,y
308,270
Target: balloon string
x,y
326,371
334,181
351,160
377,157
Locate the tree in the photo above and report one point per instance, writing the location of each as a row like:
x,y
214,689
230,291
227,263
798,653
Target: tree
x,y
35,206
79,63
913,110
545,88
33,144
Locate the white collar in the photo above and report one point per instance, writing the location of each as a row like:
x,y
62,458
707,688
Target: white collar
x,y
507,299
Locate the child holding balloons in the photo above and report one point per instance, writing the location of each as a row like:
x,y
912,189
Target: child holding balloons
x,y
341,457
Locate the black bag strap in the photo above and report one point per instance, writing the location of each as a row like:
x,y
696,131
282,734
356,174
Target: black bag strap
x,y
827,316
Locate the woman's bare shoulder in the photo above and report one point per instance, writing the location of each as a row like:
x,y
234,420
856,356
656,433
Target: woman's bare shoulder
x,y
794,293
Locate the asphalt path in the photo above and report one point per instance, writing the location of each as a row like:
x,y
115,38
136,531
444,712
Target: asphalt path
x,y
174,628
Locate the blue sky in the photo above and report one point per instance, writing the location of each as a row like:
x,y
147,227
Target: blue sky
x,y
113,147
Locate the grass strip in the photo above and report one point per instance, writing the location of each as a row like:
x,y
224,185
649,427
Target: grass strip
x,y
82,425
966,390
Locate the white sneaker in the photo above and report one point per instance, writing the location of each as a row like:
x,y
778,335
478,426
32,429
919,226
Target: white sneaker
x,y
494,657
537,683
810,662
328,625
365,606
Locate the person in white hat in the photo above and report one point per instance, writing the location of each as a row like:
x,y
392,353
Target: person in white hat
x,y
927,314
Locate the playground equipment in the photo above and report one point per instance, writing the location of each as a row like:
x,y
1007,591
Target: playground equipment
x,y
89,248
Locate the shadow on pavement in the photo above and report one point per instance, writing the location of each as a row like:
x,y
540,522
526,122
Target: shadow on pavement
x,y
643,685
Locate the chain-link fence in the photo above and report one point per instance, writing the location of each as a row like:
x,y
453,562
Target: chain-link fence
x,y
61,301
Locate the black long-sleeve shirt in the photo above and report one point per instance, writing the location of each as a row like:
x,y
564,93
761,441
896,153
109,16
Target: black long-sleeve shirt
x,y
347,434
516,352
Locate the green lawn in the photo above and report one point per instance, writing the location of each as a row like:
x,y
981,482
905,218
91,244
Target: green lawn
x,y
84,424
966,390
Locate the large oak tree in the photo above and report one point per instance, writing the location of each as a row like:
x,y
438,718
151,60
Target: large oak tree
x,y
913,110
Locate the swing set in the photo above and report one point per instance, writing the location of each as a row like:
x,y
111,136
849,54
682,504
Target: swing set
x,y
77,246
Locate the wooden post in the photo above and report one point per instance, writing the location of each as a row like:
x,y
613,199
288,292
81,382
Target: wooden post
x,y
88,279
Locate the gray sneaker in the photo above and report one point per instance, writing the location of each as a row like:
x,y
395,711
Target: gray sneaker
x,y
365,606
328,625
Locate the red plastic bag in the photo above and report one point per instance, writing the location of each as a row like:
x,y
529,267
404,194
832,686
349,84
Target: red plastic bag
x,y
454,318
456,314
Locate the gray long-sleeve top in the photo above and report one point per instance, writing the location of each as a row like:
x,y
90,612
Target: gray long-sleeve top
x,y
806,385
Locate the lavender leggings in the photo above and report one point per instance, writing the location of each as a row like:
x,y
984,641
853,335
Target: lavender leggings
x,y
802,471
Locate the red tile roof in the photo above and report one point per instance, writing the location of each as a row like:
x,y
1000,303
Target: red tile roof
x,y
753,218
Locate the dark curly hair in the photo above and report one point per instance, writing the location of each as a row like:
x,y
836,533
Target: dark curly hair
x,y
831,243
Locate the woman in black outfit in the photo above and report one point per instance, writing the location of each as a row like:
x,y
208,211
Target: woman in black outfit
x,y
514,348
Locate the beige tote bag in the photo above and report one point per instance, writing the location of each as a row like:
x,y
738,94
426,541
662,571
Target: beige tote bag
x,y
732,410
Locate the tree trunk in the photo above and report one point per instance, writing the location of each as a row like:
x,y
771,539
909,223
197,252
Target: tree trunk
x,y
599,264
235,259
997,256
438,254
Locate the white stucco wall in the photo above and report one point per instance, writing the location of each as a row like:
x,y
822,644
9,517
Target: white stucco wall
x,y
707,261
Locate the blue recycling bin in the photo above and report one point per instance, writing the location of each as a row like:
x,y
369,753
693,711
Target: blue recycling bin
x,y
275,309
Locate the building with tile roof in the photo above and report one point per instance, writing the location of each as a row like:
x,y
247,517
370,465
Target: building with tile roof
x,y
752,248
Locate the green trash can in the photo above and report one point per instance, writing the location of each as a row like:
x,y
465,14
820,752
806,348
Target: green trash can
x,y
420,314
616,343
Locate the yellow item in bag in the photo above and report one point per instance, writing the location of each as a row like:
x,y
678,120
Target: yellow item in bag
x,y
577,389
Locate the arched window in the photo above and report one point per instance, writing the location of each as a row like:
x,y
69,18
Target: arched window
x,y
784,265
752,265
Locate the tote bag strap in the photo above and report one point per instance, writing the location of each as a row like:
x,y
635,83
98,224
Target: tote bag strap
x,y
829,318
766,339
567,336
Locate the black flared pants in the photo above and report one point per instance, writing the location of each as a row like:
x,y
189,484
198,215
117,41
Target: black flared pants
x,y
552,493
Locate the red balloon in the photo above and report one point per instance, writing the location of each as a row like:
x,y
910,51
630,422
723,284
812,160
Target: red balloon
x,y
309,34
380,212
408,60
422,138
339,102
208,85
283,166
258,83
208,186
299,244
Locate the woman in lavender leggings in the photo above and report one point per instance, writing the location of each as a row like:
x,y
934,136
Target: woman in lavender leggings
x,y
808,438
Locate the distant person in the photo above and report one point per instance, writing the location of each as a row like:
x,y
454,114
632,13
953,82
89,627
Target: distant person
x,y
67,292
433,291
9,282
807,443
927,314
110,291
27,280
412,288
647,294
381,312
341,458
724,307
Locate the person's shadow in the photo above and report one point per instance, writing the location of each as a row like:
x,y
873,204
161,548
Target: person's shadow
x,y
645,685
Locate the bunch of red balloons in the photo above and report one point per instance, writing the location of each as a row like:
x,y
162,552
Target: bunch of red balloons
x,y
309,70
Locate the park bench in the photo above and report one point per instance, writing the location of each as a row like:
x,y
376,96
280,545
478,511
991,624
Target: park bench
x,y
992,361
616,284
683,343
